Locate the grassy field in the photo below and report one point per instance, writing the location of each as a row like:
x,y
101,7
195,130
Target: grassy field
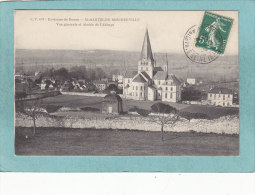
x,y
74,101
61,141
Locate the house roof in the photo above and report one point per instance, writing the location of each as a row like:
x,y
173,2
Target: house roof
x,y
218,90
146,52
99,82
130,74
139,79
175,79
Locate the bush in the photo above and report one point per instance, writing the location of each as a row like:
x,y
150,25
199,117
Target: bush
x,y
163,108
134,109
52,108
143,112
191,115
91,109
140,111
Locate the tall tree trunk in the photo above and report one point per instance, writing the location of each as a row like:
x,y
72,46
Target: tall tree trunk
x,y
162,132
34,125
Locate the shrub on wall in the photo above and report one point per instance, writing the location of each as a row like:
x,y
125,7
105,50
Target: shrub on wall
x,y
91,109
140,111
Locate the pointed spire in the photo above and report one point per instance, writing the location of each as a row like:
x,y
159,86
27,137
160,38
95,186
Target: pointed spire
x,y
166,66
146,49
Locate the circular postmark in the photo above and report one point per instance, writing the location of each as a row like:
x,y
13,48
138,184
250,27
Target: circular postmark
x,y
202,55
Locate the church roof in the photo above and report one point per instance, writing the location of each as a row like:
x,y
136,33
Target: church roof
x,y
160,75
145,75
130,74
139,79
158,68
146,49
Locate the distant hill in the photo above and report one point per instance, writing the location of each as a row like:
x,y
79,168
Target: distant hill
x,y
224,67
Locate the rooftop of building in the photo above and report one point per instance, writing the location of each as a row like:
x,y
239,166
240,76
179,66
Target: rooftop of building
x,y
99,82
218,90
130,74
146,52
139,79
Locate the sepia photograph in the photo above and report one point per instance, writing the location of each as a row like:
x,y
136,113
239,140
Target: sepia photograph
x,y
126,83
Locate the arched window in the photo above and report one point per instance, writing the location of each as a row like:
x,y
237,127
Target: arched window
x,y
166,95
166,88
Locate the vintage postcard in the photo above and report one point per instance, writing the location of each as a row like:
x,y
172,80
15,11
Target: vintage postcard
x,y
126,83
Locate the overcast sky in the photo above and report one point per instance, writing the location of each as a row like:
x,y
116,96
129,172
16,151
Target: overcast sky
x,y
166,30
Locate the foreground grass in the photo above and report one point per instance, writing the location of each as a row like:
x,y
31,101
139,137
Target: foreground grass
x,y
90,142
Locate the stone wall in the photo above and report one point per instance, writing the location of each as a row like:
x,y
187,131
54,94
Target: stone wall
x,y
226,124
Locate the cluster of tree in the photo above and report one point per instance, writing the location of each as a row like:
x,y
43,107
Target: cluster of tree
x,y
191,94
113,87
75,72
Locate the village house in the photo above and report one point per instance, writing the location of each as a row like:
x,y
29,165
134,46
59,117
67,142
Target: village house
x,y
117,77
100,85
191,81
151,82
67,86
220,97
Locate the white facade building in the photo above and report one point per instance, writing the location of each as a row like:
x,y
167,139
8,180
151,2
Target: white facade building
x,y
151,82
220,97
191,81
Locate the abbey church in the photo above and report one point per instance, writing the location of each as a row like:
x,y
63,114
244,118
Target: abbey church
x,y
151,82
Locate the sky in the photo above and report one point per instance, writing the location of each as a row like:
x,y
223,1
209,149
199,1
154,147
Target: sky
x,y
41,29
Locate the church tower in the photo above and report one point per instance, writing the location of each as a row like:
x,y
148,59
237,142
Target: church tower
x,y
146,62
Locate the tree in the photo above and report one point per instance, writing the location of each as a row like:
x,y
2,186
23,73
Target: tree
x,y
164,114
191,94
191,115
112,87
100,73
19,95
61,74
33,110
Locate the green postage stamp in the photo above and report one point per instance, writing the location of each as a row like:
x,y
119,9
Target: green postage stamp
x,y
213,33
